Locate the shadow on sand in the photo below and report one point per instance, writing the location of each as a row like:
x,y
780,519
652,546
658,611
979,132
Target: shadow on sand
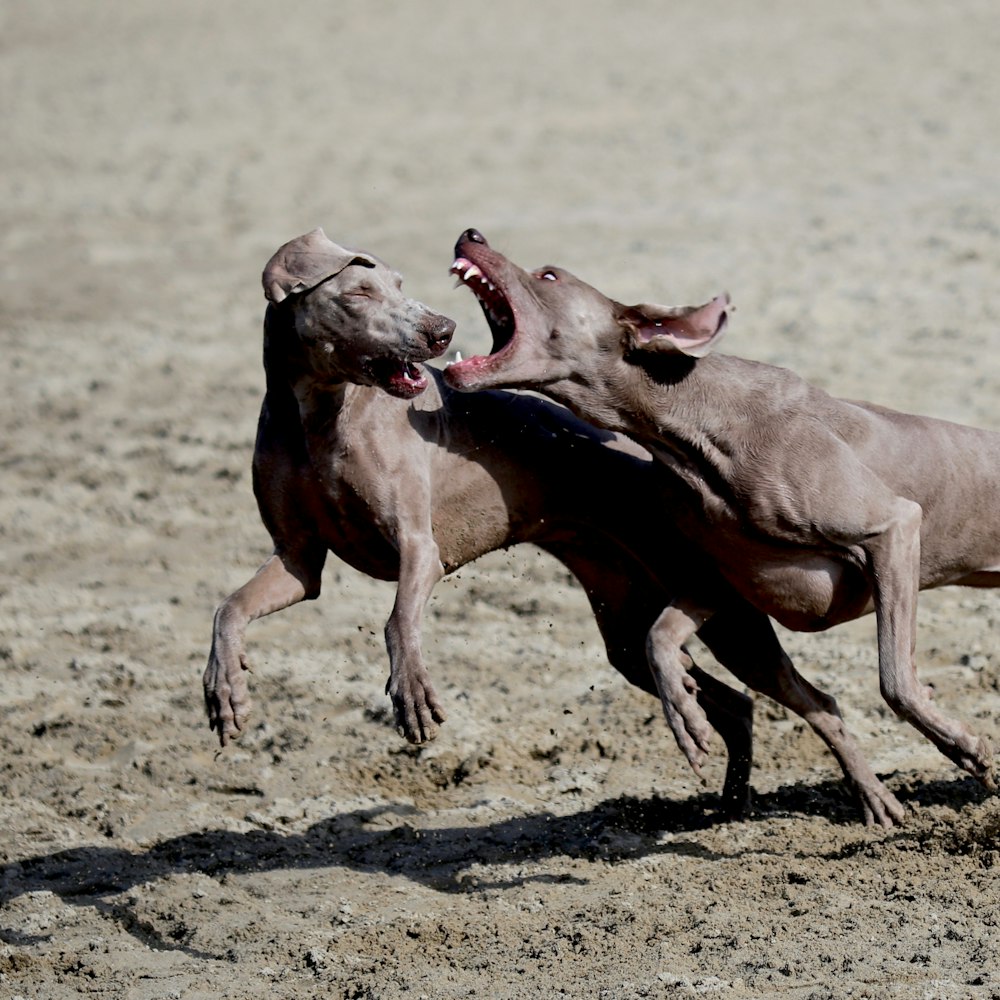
x,y
615,830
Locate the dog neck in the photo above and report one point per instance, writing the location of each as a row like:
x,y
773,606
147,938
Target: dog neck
x,y
675,407
288,378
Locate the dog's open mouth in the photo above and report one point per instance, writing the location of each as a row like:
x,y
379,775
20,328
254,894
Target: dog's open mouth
x,y
397,376
495,306
497,310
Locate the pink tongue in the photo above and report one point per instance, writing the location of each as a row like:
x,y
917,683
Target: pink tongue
x,y
409,377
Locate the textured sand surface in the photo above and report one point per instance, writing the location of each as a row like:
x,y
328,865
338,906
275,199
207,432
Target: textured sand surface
x,y
835,167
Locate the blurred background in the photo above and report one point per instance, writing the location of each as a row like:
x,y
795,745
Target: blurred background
x,y
835,167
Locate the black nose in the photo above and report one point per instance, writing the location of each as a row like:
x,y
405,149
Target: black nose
x,y
473,236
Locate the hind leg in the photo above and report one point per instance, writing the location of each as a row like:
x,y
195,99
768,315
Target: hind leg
x,y
626,600
767,668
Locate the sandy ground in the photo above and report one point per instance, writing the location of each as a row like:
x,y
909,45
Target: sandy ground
x,y
836,167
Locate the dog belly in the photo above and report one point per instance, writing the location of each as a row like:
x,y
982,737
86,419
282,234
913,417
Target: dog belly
x,y
808,594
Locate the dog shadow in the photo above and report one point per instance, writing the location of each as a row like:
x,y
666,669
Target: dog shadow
x,y
447,859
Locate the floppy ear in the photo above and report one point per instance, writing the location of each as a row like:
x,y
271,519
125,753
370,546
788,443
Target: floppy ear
x,y
690,330
305,262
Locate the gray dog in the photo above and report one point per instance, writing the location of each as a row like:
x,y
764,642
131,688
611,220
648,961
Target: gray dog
x,y
364,452
816,509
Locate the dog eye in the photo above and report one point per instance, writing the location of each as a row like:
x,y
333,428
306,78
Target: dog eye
x,y
548,275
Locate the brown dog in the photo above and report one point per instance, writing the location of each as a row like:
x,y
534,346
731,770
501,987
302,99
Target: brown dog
x,y
362,452
816,509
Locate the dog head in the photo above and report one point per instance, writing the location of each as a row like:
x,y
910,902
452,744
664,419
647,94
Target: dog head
x,y
548,326
339,315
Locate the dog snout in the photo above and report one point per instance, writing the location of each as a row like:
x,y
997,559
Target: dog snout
x,y
438,330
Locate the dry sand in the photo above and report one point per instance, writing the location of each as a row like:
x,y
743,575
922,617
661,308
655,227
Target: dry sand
x,y
836,167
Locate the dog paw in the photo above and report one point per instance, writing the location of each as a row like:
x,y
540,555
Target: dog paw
x,y
879,806
417,709
692,732
980,764
686,718
227,694
975,755
692,735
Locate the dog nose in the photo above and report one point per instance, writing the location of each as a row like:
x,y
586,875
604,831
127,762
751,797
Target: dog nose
x,y
473,236
439,331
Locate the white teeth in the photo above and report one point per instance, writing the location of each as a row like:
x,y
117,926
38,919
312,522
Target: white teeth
x,y
458,356
465,271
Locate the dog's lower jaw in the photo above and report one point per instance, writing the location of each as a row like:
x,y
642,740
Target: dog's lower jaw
x,y
403,379
462,375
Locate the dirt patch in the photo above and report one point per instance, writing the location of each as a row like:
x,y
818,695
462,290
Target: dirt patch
x,y
835,171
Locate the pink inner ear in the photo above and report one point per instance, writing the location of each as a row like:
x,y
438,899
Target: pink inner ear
x,y
706,320
690,331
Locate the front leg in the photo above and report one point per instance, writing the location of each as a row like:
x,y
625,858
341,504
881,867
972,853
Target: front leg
x,y
894,559
415,703
283,580
678,690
